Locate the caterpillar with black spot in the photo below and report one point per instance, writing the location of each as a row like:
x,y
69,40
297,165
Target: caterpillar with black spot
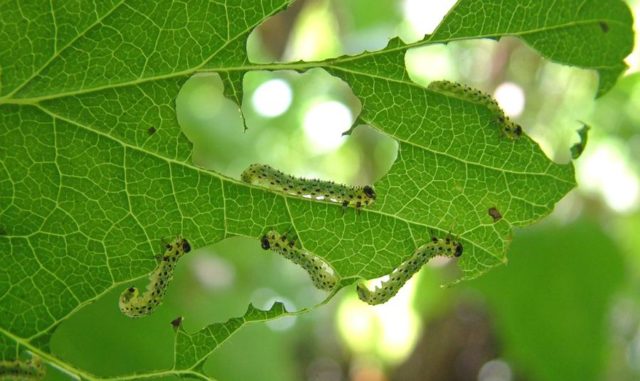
x,y
436,247
509,128
18,370
133,304
321,274
264,175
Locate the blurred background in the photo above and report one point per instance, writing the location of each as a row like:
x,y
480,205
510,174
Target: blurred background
x,y
566,307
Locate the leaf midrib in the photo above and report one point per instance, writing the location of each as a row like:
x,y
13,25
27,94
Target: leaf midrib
x,y
408,83
296,66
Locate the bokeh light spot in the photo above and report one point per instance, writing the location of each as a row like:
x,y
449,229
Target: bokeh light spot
x,y
213,272
606,171
389,330
324,123
511,98
272,98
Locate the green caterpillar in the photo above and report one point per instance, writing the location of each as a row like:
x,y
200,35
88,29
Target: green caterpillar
x,y
17,370
322,275
509,128
264,175
436,247
133,304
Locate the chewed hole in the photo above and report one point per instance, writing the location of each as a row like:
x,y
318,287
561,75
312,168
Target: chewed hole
x,y
210,121
294,122
323,124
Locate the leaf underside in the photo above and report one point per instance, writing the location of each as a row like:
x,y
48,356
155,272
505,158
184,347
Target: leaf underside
x,y
86,191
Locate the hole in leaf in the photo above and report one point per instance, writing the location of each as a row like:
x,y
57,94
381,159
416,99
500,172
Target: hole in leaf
x,y
295,124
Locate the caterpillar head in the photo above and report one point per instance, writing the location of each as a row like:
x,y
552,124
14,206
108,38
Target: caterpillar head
x,y
363,197
517,130
457,246
369,192
511,129
179,244
186,246
264,242
458,251
176,249
270,239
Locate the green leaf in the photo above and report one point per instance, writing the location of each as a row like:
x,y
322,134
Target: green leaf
x,y
95,169
193,349
589,34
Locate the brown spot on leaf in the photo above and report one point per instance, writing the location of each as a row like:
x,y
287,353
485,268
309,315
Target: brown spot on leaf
x,y
495,214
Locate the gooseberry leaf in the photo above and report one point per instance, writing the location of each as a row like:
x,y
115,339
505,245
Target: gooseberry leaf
x,y
95,169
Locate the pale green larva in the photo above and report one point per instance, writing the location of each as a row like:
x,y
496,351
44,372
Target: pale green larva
x,y
133,304
266,176
322,275
436,247
17,370
509,128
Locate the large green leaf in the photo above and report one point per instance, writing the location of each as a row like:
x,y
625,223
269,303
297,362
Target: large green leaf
x,y
95,170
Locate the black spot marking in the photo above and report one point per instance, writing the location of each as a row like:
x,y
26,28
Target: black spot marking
x,y
604,26
264,242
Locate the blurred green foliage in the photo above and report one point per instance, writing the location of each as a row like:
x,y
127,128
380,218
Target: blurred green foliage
x,y
552,303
